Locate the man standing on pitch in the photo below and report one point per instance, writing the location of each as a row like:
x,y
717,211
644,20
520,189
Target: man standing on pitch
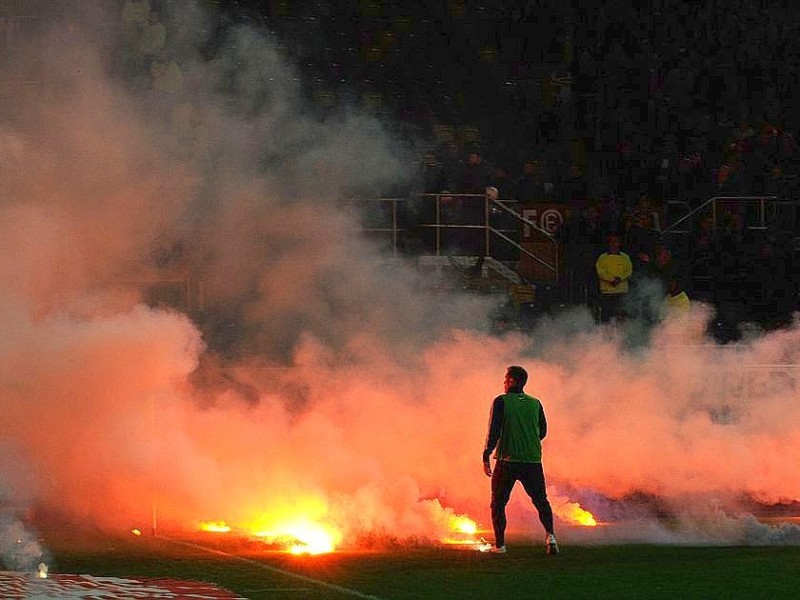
x,y
517,426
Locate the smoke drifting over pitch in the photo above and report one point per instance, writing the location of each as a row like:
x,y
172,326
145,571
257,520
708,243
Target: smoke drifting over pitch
x,y
346,393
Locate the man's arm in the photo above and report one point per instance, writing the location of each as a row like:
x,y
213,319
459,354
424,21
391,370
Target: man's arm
x,y
495,429
542,422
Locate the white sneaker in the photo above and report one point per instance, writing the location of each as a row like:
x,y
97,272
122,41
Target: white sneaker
x,y
552,545
491,548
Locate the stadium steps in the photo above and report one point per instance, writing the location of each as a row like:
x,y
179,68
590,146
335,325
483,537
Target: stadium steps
x,y
473,273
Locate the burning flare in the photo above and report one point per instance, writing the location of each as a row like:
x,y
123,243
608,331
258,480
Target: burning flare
x,y
298,528
215,526
302,536
462,530
573,513
463,524
298,536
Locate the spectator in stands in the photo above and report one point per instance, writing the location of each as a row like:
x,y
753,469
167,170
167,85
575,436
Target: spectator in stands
x,y
657,278
676,301
614,270
532,185
574,190
500,219
666,269
153,37
646,212
641,241
502,183
475,175
448,155
433,177
611,213
582,237
639,238
134,17
166,75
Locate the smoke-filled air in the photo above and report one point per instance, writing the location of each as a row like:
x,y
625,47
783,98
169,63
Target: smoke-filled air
x,y
196,335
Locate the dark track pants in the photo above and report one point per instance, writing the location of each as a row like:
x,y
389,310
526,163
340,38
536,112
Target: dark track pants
x,y
505,475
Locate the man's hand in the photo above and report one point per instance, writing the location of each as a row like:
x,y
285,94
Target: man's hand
x,y
487,468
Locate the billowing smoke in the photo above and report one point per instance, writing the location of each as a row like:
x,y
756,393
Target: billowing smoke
x,y
19,548
195,331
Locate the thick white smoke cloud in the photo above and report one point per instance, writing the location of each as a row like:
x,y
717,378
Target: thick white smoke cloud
x,y
307,377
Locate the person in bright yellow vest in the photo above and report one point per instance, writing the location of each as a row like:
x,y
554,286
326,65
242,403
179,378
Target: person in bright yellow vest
x,y
614,270
676,302
134,18
166,75
154,36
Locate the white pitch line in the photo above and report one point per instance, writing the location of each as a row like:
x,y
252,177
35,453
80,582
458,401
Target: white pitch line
x,y
249,561
262,590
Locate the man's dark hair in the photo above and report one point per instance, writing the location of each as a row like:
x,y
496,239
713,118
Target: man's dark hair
x,y
519,375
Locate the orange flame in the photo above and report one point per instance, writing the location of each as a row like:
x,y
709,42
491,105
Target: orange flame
x,y
463,524
302,536
462,530
572,512
215,526
298,527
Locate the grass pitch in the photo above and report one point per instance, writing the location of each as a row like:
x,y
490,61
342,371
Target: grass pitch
x,y
618,571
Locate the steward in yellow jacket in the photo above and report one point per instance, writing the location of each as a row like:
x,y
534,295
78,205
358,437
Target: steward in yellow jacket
x,y
614,269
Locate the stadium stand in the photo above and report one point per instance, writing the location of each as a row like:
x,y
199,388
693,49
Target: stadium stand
x,y
684,104
668,105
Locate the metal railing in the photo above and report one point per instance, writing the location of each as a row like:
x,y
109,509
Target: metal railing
x,y
554,267
390,228
444,213
760,203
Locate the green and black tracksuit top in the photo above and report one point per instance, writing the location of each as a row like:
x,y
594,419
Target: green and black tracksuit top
x,y
517,426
